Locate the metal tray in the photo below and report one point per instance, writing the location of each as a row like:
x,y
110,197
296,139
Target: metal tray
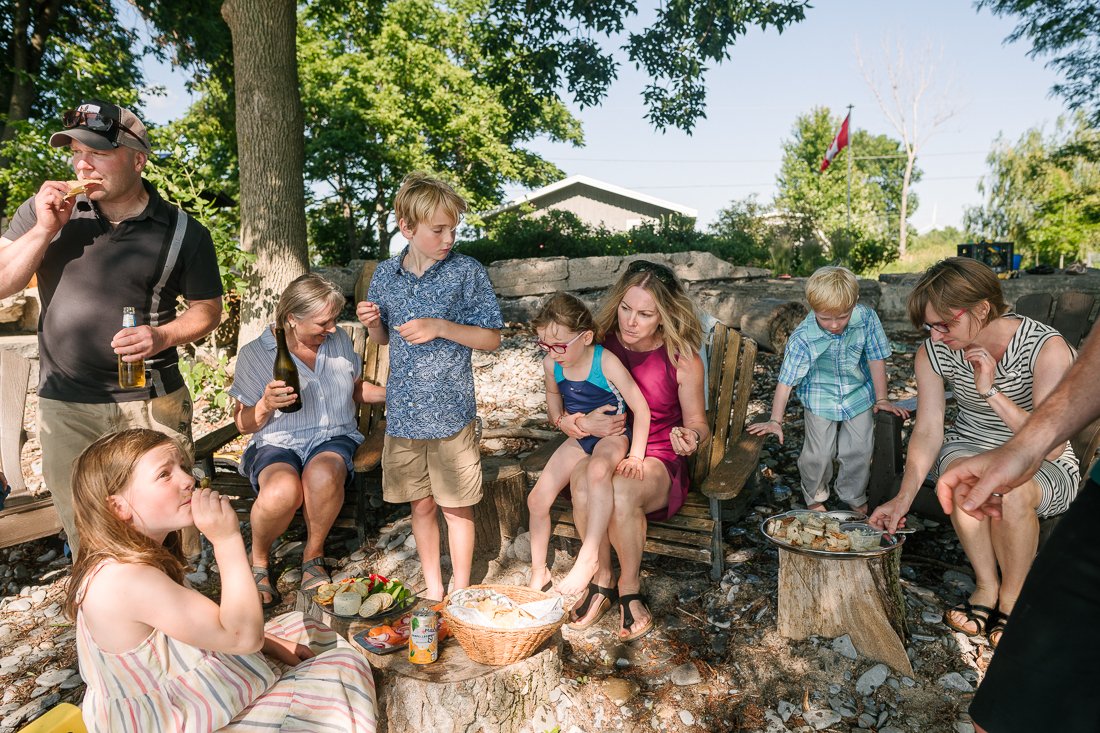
x,y
889,542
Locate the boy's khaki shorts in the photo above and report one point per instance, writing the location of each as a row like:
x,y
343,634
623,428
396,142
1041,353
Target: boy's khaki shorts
x,y
446,469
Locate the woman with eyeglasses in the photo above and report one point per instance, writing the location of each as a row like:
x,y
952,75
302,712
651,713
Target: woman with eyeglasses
x,y
648,321
1000,365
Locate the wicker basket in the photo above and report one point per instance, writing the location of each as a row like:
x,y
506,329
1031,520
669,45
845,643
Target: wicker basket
x,y
498,647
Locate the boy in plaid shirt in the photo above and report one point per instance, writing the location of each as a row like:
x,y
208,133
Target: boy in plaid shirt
x,y
835,362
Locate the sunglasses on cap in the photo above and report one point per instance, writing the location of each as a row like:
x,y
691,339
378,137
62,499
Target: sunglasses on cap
x,y
99,122
660,272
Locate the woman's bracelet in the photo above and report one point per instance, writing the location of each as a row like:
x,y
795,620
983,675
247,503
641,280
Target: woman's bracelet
x,y
882,399
557,423
698,435
774,421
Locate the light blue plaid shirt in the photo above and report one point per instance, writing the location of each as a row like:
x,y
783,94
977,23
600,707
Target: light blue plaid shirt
x,y
430,390
830,373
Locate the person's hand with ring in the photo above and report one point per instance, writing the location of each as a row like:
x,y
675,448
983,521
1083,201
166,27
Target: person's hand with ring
x,y
685,440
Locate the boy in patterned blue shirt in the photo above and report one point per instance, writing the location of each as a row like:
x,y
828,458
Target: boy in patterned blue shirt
x,y
835,360
432,306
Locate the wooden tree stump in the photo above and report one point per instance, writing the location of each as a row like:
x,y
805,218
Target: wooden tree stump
x,y
500,513
770,321
860,597
457,694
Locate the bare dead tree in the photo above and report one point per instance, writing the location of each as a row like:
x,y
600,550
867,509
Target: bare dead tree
x,y
913,100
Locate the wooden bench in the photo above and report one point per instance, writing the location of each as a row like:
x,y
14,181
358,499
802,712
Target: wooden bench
x,y
222,470
24,517
722,469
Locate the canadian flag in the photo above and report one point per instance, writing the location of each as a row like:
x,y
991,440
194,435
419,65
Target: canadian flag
x,y
838,144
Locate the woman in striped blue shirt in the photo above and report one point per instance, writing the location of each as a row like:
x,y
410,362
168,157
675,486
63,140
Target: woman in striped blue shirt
x,y
300,459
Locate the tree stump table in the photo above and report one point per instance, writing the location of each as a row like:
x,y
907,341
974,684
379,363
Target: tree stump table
x,y
858,596
454,693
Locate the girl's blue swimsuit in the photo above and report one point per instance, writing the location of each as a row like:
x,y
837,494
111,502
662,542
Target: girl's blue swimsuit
x,y
587,395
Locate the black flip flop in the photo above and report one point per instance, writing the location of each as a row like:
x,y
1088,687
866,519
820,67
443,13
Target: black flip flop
x,y
628,617
980,616
609,595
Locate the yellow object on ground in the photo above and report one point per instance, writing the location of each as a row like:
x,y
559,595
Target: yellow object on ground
x,y
61,718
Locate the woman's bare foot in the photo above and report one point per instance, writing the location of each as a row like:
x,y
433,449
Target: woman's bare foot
x,y
540,578
578,578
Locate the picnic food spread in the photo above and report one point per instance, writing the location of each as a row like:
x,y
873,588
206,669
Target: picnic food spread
x,y
824,533
364,597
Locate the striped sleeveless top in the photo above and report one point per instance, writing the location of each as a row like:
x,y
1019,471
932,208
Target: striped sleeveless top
x,y
165,685
977,423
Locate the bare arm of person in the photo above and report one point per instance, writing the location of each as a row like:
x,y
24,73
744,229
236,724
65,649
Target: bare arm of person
x,y
424,330
1069,407
877,367
774,425
619,377
250,418
924,444
370,315
690,386
20,258
140,342
366,392
125,597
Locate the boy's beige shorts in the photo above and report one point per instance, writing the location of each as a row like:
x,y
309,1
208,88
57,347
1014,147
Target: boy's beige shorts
x,y
446,469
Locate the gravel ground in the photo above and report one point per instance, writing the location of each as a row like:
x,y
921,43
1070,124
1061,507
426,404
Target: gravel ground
x,y
715,662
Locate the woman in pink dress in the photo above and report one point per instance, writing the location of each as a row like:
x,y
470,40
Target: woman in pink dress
x,y
648,321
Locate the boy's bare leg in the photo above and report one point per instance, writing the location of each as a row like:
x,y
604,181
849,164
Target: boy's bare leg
x,y
601,468
426,533
552,480
460,540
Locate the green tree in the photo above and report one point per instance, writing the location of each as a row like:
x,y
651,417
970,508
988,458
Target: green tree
x,y
1068,31
1043,192
57,54
813,202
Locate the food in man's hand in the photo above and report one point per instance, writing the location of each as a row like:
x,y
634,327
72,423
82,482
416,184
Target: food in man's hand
x,y
78,187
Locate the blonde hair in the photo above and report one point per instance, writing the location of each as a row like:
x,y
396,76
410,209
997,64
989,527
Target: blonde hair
x,y
680,327
103,470
421,195
953,284
306,295
565,310
832,290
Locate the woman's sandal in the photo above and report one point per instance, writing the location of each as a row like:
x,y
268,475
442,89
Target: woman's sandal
x,y
997,623
628,617
262,576
980,616
607,597
314,574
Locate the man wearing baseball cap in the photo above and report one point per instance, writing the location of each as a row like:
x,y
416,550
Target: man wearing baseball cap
x,y
98,244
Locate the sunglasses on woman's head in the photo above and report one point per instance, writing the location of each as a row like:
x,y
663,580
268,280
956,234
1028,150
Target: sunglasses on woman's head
x,y
558,348
96,122
660,272
943,326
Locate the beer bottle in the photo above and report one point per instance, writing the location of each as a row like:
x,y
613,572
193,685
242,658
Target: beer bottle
x,y
286,370
131,374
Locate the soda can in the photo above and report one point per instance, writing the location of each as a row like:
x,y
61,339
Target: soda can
x,y
424,637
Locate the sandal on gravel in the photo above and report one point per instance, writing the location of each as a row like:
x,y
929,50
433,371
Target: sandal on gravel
x,y
628,617
261,575
607,597
996,626
314,574
980,616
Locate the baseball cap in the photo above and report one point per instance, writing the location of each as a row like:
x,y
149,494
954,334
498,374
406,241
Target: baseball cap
x,y
102,126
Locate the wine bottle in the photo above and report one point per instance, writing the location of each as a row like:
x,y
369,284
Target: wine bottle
x,y
131,374
286,370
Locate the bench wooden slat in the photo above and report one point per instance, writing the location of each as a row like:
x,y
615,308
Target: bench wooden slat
x,y
654,547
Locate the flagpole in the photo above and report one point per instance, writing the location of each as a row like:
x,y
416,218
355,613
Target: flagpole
x,y
851,153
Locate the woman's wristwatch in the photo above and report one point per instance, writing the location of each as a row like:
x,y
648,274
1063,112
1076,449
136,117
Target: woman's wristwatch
x,y
994,390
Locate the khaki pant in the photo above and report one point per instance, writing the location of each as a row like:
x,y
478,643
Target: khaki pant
x,y
851,442
65,429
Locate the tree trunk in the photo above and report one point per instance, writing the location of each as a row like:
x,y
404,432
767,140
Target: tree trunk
x,y
771,321
271,150
903,209
860,597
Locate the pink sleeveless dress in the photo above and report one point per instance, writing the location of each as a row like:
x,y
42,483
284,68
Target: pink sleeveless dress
x,y
656,377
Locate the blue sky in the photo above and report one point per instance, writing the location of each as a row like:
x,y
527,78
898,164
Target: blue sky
x,y
754,97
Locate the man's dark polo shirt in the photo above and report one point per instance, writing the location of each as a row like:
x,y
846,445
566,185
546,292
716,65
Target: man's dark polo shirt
x,y
90,272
